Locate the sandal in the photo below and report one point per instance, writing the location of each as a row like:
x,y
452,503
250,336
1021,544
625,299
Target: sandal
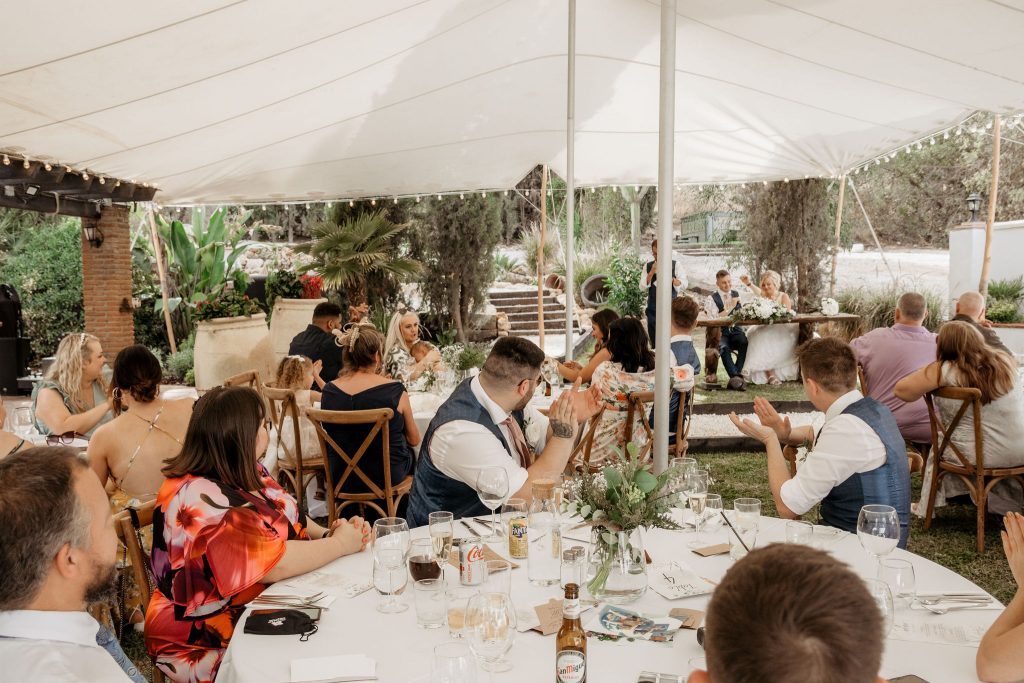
x,y
774,381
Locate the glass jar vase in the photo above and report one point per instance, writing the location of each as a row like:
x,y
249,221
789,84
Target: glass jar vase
x,y
616,567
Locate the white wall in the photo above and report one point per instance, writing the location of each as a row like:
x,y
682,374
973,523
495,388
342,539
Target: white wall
x,y
967,249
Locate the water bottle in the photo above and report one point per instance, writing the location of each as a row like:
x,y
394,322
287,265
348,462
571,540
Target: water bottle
x,y
544,534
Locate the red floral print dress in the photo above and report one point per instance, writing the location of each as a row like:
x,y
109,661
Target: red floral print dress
x,y
212,546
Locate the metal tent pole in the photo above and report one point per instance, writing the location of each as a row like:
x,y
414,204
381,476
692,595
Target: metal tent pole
x,y
666,168
570,187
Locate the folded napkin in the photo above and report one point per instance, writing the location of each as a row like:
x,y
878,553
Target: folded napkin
x,y
336,668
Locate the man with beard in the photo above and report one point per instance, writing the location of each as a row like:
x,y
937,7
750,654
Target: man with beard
x,y
57,556
488,422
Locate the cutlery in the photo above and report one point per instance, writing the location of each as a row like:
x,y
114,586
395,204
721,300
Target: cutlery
x,y
941,596
936,601
478,520
471,529
942,610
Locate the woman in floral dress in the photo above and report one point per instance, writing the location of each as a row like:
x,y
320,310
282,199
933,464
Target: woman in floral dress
x,y
630,369
223,530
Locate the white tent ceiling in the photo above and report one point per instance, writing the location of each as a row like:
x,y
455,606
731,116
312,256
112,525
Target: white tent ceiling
x,y
261,100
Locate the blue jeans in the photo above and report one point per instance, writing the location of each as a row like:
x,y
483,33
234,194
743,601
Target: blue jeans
x,y
733,339
652,325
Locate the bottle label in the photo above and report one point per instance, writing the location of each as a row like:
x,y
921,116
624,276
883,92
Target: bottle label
x,y
571,608
572,666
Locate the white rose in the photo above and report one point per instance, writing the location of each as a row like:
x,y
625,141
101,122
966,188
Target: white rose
x,y
829,306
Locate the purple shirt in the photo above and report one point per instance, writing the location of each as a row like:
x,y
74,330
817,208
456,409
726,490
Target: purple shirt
x,y
888,354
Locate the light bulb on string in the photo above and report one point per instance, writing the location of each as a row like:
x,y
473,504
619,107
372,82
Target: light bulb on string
x,y
438,196
396,200
462,196
945,136
25,164
48,166
959,131
785,180
351,203
932,141
85,176
373,202
483,194
7,160
417,199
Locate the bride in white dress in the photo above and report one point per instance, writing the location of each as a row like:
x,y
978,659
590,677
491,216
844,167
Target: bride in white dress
x,y
771,349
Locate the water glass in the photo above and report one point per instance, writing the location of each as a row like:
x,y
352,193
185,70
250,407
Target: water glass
x,y
713,512
697,495
900,577
458,600
882,596
491,629
746,520
442,531
23,421
431,603
498,578
799,531
453,663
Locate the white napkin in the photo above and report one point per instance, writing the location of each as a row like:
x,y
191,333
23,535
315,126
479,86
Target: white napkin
x,y
336,668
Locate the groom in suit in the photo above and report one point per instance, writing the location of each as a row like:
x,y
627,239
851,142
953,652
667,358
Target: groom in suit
x,y
724,341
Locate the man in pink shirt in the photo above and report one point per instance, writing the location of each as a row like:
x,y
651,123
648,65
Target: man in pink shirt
x,y
888,354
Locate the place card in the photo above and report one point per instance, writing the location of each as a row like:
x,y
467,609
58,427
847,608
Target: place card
x,y
717,549
675,581
489,554
550,616
691,618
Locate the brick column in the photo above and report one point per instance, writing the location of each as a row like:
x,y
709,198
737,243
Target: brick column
x,y
107,281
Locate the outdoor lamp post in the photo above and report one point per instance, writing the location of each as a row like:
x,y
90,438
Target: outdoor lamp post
x,y
973,204
93,235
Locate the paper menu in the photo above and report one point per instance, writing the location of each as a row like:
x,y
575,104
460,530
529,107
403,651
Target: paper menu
x,y
335,668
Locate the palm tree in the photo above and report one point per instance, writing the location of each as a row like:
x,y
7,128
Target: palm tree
x,y
346,253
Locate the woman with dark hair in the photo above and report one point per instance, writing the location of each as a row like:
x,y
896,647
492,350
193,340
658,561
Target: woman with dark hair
x,y
131,448
599,323
629,369
222,530
361,386
964,359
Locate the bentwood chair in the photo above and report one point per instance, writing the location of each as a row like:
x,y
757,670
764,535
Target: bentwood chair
x,y
294,471
579,461
684,420
129,525
376,421
249,378
638,404
978,478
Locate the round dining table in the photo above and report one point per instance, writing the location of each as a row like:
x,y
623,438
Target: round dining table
x,y
937,648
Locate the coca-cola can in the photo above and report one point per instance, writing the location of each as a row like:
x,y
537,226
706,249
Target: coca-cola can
x,y
472,567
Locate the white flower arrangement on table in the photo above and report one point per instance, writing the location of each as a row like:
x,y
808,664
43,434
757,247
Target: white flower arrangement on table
x,y
829,306
763,311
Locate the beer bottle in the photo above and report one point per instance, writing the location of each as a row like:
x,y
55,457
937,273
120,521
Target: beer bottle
x,y
571,643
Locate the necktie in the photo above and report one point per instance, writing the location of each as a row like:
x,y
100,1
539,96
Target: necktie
x,y
106,639
519,441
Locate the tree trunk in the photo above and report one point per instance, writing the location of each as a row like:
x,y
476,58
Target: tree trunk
x,y
456,309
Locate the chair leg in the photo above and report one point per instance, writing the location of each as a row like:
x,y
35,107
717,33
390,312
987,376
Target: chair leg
x,y
982,505
933,491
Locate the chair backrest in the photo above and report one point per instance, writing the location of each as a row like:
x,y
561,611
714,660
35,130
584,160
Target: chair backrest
x,y
377,419
942,434
580,458
684,419
284,408
249,378
636,405
128,523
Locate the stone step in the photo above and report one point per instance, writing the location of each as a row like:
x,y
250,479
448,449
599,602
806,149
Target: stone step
x,y
534,331
502,304
499,294
527,308
531,316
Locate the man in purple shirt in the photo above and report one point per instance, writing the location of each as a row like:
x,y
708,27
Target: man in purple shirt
x,y
888,354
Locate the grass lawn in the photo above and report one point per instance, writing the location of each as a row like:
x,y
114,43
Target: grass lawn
x,y
950,541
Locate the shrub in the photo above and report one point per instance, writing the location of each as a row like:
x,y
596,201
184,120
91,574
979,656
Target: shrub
x,y
284,284
504,264
1006,290
531,243
876,308
587,265
625,294
1003,311
180,365
233,303
45,267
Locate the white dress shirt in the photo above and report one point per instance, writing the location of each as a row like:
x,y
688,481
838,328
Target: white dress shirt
x,y
40,647
845,446
711,308
460,448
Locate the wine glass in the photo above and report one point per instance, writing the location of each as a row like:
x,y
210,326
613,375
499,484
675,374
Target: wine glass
x,y
491,628
878,528
442,531
391,542
453,663
899,575
696,494
492,487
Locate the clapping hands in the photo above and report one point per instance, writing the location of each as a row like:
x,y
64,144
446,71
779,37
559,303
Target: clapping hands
x,y
770,424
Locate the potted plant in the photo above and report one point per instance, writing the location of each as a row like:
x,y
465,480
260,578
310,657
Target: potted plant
x,y
231,337
292,300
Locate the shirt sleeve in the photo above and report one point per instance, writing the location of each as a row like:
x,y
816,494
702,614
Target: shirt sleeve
x,y
460,449
846,446
536,431
862,349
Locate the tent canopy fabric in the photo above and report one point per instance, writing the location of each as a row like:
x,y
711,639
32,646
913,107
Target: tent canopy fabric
x,y
248,101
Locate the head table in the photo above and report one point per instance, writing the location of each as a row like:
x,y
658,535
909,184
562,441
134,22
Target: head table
x,y
403,651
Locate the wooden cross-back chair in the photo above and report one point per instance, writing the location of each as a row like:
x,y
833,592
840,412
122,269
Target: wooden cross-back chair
x,y
684,420
294,471
129,524
978,478
636,405
390,493
249,378
579,461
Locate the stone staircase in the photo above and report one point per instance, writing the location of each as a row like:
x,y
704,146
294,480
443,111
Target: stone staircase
x,y
520,305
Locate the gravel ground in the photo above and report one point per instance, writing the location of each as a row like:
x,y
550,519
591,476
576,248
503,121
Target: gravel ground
x,y
721,425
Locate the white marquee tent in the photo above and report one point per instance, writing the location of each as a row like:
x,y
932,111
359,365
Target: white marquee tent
x,y
258,100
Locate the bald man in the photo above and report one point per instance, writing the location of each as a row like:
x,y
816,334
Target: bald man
x,y
970,308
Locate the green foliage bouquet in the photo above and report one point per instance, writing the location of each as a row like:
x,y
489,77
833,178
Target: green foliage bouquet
x,y
231,304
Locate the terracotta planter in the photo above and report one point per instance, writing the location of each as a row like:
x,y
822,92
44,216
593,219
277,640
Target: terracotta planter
x,y
290,317
228,346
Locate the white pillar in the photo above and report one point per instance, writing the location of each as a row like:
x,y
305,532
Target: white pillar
x,y
666,172
570,187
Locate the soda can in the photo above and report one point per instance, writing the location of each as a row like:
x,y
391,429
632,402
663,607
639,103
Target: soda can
x,y
517,539
472,567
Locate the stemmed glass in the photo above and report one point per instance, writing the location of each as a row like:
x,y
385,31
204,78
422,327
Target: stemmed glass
x,y
453,663
878,528
696,494
882,595
442,531
491,627
492,487
391,542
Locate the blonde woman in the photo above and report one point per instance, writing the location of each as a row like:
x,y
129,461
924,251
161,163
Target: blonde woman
x,y
771,349
403,332
963,359
73,395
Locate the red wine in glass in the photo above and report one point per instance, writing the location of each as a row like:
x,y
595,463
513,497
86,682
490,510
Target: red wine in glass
x,y
424,567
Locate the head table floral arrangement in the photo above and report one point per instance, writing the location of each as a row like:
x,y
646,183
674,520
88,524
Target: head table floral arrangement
x,y
763,311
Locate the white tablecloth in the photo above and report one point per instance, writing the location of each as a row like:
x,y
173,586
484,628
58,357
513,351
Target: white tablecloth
x,y
403,652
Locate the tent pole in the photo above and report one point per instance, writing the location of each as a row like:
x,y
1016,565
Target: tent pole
x,y
666,171
839,225
874,235
570,186
993,195
162,273
540,251
635,197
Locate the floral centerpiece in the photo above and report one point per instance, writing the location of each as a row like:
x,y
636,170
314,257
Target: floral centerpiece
x,y
231,304
829,306
763,311
620,501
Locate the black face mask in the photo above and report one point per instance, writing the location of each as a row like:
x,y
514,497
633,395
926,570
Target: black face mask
x,y
282,622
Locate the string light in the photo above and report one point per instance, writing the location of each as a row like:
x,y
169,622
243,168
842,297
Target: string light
x,y
48,166
7,160
396,200
439,196
351,203
103,181
483,194
373,202
462,196
785,180
25,164
85,176
417,199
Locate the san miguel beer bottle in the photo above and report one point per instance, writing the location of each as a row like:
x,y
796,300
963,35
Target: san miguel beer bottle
x,y
571,643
